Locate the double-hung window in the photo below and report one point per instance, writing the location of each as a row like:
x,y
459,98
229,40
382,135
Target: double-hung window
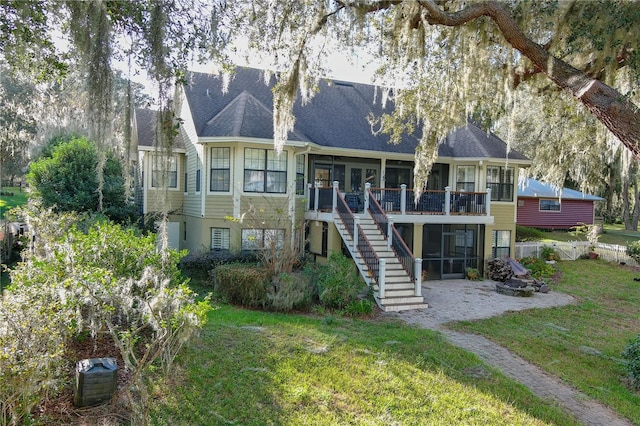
x,y
220,170
164,171
501,244
466,178
300,174
500,180
265,171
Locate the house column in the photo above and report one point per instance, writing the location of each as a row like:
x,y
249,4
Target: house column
x,y
417,240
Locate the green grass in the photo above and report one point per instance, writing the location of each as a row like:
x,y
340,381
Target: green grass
x,y
613,234
256,368
580,343
7,202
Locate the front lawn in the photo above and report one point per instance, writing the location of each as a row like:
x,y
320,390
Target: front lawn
x,y
7,202
256,368
580,343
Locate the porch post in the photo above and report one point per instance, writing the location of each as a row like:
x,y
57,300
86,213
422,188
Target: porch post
x,y
308,195
418,280
356,221
316,196
447,200
335,195
367,187
381,273
403,199
488,209
389,231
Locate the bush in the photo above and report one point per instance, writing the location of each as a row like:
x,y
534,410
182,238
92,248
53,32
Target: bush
x,y
539,269
290,291
199,264
549,253
242,283
524,233
632,354
339,284
633,250
359,308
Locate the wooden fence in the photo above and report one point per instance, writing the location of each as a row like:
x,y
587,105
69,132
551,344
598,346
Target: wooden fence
x,y
572,250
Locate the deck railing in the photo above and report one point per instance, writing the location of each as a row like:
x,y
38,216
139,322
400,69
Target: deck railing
x,y
403,201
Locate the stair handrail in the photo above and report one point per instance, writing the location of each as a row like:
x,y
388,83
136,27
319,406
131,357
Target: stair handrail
x,y
369,254
378,215
400,248
404,255
345,213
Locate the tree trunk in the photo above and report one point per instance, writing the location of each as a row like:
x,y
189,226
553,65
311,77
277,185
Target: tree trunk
x,y
636,209
609,106
625,205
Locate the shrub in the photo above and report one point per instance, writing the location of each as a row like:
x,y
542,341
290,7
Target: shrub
x,y
549,253
103,279
242,284
338,281
539,269
290,291
199,264
524,233
359,308
632,354
633,250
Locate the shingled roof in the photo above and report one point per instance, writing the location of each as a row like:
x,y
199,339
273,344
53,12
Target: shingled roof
x,y
146,126
335,117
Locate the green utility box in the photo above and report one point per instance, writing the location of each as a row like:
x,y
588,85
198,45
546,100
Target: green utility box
x,y
96,381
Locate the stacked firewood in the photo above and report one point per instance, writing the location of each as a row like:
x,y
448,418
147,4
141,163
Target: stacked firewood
x,y
499,270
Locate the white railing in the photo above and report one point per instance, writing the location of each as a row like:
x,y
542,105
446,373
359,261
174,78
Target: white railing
x,y
572,250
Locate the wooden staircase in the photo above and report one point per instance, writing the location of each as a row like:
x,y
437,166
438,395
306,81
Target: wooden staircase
x,y
399,288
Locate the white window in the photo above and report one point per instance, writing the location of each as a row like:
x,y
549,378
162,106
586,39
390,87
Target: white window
x,y
500,180
501,244
265,171
219,238
164,171
220,170
466,178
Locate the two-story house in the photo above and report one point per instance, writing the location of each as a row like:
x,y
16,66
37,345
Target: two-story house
x,y
339,186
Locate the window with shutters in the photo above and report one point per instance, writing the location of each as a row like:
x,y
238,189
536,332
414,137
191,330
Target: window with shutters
x,y
219,238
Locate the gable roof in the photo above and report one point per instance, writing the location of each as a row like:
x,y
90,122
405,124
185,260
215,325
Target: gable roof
x,y
335,117
535,189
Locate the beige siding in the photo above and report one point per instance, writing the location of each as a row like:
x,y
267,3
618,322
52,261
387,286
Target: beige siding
x,y
504,214
218,206
156,200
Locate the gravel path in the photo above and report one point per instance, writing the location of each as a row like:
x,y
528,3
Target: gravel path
x,y
455,300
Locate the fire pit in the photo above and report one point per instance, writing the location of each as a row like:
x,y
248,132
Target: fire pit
x,y
515,287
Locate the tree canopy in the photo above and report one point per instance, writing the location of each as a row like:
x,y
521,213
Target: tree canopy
x,y
441,60
67,180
